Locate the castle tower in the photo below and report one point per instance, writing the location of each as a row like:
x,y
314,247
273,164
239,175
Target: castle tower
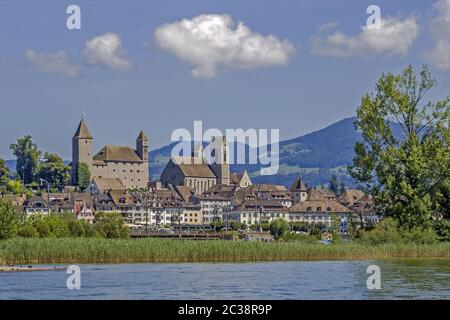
x,y
220,160
142,151
81,148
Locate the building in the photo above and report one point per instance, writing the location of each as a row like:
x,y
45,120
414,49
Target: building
x,y
125,163
240,180
195,172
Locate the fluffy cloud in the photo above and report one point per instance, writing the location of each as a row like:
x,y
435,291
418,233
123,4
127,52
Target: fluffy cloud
x,y
52,62
106,50
211,41
440,28
395,37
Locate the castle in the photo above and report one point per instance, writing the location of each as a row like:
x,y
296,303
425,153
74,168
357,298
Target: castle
x,y
127,164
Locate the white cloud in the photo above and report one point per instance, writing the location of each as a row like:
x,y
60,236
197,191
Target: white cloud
x,y
210,41
395,37
106,50
440,28
52,62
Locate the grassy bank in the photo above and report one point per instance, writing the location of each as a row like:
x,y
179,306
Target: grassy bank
x,y
92,250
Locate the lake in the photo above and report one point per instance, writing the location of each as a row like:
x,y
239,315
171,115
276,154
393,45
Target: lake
x,y
400,279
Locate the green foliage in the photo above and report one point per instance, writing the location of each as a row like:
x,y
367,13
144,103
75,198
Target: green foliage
x,y
236,226
15,187
27,154
334,184
53,170
389,231
110,225
316,232
83,176
217,226
403,169
278,228
299,237
27,231
4,172
8,220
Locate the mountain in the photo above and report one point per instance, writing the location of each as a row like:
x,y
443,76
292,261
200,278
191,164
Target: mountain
x,y
315,156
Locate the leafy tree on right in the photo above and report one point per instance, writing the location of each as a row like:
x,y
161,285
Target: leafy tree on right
x,y
403,158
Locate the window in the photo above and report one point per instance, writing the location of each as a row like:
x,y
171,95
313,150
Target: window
x,y
308,209
319,208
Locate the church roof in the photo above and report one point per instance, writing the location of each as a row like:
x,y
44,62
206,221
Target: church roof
x,y
191,169
142,136
117,153
82,131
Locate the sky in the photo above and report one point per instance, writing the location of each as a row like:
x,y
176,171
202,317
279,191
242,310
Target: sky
x,y
156,66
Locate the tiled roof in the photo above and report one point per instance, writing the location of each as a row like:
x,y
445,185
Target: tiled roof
x,y
117,153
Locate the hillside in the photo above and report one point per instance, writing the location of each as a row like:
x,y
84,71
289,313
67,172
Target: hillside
x,y
314,156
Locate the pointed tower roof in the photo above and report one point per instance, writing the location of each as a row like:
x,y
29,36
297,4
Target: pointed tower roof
x,y
142,136
82,131
298,185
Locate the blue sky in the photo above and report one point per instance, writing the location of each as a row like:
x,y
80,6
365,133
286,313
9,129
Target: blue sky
x,y
157,91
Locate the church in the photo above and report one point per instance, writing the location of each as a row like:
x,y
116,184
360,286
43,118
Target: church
x,y
122,162
195,172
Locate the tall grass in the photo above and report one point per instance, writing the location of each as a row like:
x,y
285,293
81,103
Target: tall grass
x,y
94,250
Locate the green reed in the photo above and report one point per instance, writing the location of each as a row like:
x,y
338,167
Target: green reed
x,y
94,250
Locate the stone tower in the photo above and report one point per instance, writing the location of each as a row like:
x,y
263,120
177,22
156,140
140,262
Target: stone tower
x,y
142,151
81,148
220,160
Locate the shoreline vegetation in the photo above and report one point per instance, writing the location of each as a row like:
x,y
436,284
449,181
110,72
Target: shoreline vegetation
x,y
104,251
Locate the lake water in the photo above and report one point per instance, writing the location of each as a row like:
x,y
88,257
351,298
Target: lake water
x,y
400,279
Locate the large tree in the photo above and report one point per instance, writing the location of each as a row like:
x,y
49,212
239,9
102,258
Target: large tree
x,y
53,170
8,220
83,176
27,154
404,156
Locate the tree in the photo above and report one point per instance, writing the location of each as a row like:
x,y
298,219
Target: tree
x,y
110,225
4,172
27,155
334,185
53,170
404,155
83,176
278,228
8,220
15,186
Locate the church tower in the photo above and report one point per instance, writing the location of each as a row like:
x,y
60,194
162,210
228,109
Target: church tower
x,y
81,148
142,151
220,159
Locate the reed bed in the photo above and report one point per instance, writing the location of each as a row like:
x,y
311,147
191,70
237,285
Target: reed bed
x,y
93,250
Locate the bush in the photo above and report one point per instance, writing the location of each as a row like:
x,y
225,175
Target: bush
x,y
278,228
27,231
110,225
388,231
43,229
